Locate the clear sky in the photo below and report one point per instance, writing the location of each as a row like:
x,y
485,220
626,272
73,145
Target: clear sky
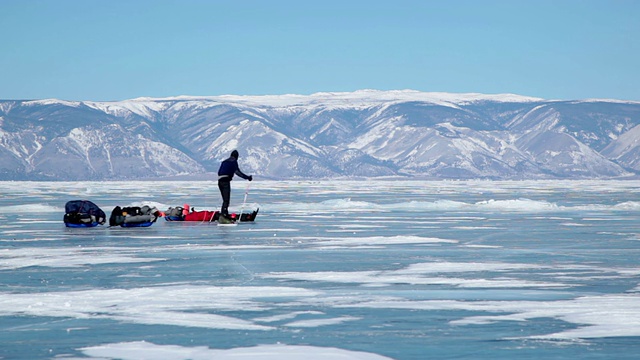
x,y
122,49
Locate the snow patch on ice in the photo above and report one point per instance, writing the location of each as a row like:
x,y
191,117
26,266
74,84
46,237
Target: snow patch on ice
x,y
32,209
17,258
179,305
523,205
321,322
137,350
415,275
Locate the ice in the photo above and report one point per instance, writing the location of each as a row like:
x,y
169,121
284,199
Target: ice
x,y
75,257
519,205
414,276
376,240
597,316
321,322
178,305
33,209
144,350
372,269
286,316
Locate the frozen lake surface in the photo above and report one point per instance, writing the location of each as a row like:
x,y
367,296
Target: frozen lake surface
x,y
329,270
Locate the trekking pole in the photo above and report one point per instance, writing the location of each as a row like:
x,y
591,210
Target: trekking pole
x,y
213,214
246,193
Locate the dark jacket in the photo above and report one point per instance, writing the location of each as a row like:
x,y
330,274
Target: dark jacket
x,y
228,168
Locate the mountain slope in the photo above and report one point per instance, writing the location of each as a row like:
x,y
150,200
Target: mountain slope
x,y
364,133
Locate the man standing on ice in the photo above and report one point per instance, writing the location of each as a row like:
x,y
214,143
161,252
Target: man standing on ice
x,y
228,168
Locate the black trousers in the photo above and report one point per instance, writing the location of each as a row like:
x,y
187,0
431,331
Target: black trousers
x,y
225,190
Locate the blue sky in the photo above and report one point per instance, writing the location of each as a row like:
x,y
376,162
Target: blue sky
x,y
115,50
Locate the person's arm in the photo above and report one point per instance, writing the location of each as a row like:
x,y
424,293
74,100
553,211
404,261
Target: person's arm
x,y
243,175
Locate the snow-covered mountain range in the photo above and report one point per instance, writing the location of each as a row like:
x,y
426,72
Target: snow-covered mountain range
x,y
366,133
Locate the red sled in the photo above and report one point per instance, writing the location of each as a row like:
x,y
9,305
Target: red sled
x,y
206,216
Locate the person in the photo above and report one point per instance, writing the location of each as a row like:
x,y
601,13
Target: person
x,y
228,168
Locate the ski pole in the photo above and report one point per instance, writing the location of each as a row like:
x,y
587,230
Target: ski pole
x,y
246,193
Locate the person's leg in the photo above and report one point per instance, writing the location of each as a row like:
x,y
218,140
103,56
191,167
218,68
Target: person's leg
x,y
225,191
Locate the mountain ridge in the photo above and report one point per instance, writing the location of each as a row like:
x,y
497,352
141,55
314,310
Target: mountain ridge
x,y
366,133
